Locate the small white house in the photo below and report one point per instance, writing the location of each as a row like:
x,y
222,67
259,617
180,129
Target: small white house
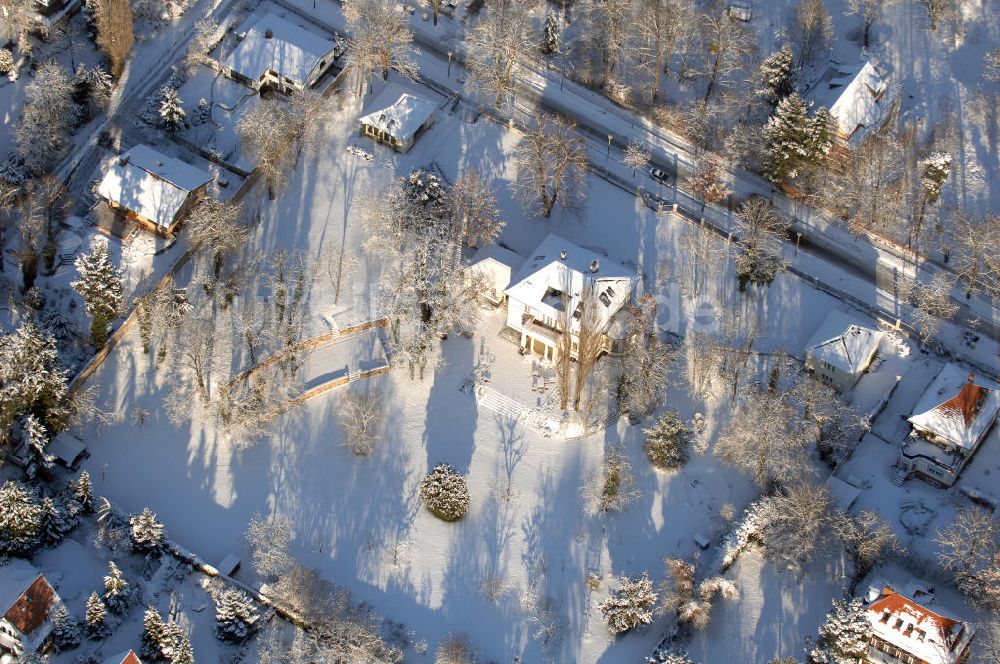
x,y
947,427
279,54
400,124
494,266
153,189
27,602
559,285
860,99
903,630
840,351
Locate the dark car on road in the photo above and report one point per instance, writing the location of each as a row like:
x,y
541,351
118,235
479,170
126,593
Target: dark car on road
x,y
659,175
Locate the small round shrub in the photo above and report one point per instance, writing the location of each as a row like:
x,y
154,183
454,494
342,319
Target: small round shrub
x,y
6,61
668,442
445,493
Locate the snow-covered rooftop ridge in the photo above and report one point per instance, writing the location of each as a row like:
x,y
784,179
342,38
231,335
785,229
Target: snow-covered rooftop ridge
x,y
957,407
403,117
861,98
928,635
15,577
151,184
500,254
843,343
558,267
272,43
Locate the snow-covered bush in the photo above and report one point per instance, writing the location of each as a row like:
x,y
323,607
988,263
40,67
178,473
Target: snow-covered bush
x,y
668,442
616,482
268,540
66,633
20,519
6,61
746,531
843,637
97,626
630,605
991,62
454,649
445,493
236,615
146,532
669,654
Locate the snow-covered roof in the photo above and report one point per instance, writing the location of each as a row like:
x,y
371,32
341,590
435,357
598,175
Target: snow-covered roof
x,y
843,343
863,99
929,636
501,255
66,447
842,494
558,266
127,657
151,184
956,408
403,118
19,578
290,50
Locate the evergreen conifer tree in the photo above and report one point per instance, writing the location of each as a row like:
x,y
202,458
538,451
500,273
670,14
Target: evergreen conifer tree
x,y
97,626
117,592
56,521
20,520
235,615
551,40
172,109
146,532
820,137
668,442
843,637
32,381
65,630
36,440
152,634
83,493
777,76
100,286
786,139
182,651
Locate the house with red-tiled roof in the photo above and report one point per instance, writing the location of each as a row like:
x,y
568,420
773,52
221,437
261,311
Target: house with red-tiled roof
x,y
128,657
27,601
948,426
904,631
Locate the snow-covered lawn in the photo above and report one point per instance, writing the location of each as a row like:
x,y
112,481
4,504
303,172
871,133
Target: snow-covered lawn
x,y
359,519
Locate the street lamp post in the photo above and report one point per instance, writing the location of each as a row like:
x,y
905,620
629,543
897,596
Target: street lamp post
x,y
449,64
610,136
798,236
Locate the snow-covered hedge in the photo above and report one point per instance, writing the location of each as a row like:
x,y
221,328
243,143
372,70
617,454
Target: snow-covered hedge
x,y
445,493
747,530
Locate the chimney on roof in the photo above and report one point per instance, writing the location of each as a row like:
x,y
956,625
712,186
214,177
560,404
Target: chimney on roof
x,y
563,254
268,33
595,265
122,160
972,378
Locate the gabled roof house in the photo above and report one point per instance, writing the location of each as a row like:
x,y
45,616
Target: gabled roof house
x,y
948,425
277,53
153,189
904,631
559,285
860,99
27,602
841,350
401,123
127,657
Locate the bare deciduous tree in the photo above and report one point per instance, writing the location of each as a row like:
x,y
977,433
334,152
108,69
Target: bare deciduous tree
x,y
115,33
217,225
360,417
205,36
659,26
636,156
473,208
760,441
645,362
18,17
866,537
761,232
551,166
794,521
47,117
978,260
932,303
500,38
268,133
814,27
269,539
707,183
938,9
613,487
381,39
867,11
727,44
607,25
970,550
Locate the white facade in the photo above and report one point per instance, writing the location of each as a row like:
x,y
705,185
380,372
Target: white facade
x,y
275,52
494,266
840,351
559,284
948,424
859,99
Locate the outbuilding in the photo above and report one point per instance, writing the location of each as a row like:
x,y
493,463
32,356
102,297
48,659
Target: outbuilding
x,y
400,124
